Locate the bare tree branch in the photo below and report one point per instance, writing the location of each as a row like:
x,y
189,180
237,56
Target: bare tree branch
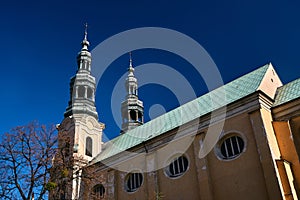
x,y
26,154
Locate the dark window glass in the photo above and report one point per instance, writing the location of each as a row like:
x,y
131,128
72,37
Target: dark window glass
x,y
89,93
81,91
178,166
98,191
89,146
232,147
134,181
132,114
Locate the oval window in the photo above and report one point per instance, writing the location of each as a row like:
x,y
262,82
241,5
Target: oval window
x,y
98,191
133,181
231,147
178,166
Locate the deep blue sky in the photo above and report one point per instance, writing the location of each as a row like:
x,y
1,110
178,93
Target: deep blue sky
x,y
40,41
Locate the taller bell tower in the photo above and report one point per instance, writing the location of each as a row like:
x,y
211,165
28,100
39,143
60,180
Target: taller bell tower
x,y
132,108
82,85
81,110
80,133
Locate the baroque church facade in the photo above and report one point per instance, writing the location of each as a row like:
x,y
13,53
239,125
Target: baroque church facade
x,y
255,155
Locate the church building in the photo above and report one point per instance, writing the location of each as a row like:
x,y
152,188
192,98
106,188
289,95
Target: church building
x,y
239,141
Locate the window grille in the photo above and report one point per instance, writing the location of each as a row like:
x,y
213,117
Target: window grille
x,y
232,147
134,181
178,166
98,191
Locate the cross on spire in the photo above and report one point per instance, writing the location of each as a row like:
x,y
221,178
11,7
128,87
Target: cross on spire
x,y
130,69
130,59
85,31
85,43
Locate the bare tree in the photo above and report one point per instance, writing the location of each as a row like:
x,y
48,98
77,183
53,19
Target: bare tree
x,y
26,154
69,171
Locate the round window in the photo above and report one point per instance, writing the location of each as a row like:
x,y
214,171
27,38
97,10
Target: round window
x,y
133,181
177,167
98,191
231,147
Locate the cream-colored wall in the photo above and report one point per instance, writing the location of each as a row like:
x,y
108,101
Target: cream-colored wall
x,y
270,82
87,126
264,142
285,133
249,176
239,177
186,186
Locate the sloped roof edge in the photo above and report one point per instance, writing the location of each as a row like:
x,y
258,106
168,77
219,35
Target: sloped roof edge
x,y
213,100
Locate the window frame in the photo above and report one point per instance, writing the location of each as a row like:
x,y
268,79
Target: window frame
x,y
101,191
226,137
81,90
88,152
171,161
135,181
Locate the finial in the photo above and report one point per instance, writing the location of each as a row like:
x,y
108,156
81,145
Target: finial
x,y
131,69
130,59
85,43
85,31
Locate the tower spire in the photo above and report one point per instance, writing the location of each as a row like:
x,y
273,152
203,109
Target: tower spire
x,y
85,43
132,107
83,86
85,31
130,69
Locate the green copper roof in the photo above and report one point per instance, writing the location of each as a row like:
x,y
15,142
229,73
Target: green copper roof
x,y
204,104
287,92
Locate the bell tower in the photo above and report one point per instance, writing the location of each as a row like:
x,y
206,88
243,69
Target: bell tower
x,y
80,133
81,109
82,85
132,108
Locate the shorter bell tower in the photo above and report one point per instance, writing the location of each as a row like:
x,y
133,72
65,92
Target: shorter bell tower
x,y
132,108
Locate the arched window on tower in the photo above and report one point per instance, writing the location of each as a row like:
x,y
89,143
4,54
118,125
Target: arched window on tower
x,y
89,93
81,91
132,114
140,116
89,146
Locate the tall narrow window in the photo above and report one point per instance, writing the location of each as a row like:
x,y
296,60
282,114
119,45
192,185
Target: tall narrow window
x,y
81,91
132,115
89,93
89,146
140,116
133,181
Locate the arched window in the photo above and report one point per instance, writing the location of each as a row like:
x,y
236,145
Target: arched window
x,y
231,147
133,181
140,116
89,146
98,191
132,114
177,167
81,91
131,90
89,93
